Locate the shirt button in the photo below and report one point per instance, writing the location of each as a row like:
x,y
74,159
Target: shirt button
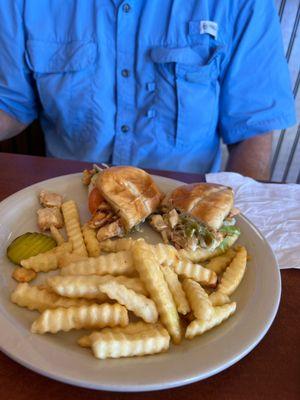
x,y
124,128
126,8
125,73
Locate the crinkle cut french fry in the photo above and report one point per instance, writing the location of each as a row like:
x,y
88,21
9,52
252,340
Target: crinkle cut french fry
x,y
57,236
113,246
132,327
21,274
65,259
112,344
195,256
83,317
47,261
168,255
91,241
198,327
176,289
219,263
151,275
198,299
140,305
81,286
120,263
196,272
87,286
72,223
132,283
234,272
40,299
43,262
65,247
218,299
163,252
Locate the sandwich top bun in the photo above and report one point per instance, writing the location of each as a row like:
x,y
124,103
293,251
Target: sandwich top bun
x,y
131,192
208,202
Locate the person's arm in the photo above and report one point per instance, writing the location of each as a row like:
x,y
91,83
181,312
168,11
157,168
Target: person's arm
x,y
251,157
255,88
9,126
18,104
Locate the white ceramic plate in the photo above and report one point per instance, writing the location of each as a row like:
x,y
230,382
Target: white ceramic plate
x,y
59,357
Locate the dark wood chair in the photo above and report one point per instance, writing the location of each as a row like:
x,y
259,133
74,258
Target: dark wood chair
x,y
30,141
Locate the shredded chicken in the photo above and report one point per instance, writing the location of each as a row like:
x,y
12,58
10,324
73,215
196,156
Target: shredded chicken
x,y
111,230
158,222
183,231
100,219
177,239
102,216
164,236
107,221
173,218
104,206
49,216
192,243
50,199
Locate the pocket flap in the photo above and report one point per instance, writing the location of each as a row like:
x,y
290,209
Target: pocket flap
x,y
205,74
53,57
184,55
202,73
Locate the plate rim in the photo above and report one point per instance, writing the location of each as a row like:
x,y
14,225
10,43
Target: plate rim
x,y
131,388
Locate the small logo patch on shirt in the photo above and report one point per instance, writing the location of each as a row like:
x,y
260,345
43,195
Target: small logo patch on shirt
x,y
209,27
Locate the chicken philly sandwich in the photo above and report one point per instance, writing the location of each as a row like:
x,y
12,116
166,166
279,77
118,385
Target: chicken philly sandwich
x,y
120,198
197,216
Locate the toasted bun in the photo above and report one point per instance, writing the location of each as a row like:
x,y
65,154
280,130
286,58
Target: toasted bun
x,y
207,202
131,192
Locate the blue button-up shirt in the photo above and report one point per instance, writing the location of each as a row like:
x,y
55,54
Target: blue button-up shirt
x,y
154,83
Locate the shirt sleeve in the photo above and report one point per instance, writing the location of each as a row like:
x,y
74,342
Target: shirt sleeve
x,y
256,95
16,85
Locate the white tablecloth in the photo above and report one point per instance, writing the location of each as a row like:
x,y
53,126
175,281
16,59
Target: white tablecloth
x,y
273,208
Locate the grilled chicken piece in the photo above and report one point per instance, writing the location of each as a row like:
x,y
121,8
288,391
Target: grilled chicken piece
x,y
235,211
50,199
173,218
87,176
111,230
158,222
21,274
49,216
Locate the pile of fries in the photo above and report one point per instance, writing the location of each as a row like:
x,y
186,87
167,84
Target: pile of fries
x,y
134,296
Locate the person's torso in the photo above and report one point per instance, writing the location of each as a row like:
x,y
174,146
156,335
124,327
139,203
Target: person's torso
x,y
129,82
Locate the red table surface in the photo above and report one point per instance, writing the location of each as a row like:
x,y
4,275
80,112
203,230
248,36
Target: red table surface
x,y
270,371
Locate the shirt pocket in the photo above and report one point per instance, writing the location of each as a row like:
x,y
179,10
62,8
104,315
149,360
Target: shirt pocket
x,y
187,95
63,73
